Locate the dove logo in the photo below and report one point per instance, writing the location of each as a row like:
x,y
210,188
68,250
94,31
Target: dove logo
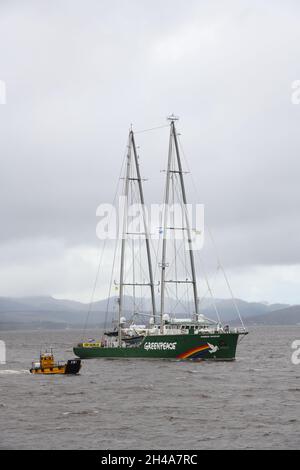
x,y
213,349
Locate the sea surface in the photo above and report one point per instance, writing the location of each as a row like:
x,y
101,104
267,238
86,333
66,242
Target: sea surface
x,y
252,403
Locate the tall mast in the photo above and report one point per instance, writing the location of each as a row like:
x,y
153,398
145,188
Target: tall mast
x,y
189,234
147,235
128,179
164,264
164,245
126,190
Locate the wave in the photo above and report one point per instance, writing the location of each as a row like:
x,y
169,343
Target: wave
x,y
11,372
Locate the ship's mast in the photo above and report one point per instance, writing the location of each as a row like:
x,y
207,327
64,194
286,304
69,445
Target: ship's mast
x,y
164,264
128,179
188,227
164,245
146,229
126,191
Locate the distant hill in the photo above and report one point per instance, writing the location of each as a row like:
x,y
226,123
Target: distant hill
x,y
228,313
46,312
40,313
285,316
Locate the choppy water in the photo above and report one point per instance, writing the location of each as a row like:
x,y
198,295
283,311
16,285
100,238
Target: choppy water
x,y
119,404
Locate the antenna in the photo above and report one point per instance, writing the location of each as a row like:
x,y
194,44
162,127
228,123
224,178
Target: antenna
x,y
172,118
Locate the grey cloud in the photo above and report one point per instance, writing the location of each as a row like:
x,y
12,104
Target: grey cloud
x,y
77,76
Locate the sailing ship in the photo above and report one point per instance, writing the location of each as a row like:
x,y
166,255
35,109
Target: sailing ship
x,y
164,336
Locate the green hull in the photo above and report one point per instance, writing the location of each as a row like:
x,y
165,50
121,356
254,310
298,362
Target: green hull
x,y
180,347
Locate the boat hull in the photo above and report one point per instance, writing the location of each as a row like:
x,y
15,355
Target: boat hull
x,y
72,367
177,347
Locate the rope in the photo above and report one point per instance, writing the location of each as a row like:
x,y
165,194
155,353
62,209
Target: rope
x,y
209,289
227,280
151,129
100,257
215,247
110,285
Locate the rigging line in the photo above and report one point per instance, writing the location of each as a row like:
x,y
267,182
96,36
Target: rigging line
x,y
135,199
117,247
215,247
186,269
130,267
138,252
100,257
151,129
170,267
227,280
174,236
179,301
156,256
208,285
131,196
140,303
110,285
156,252
135,259
184,215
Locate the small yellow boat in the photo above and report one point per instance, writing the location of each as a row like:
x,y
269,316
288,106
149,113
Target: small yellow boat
x,y
48,366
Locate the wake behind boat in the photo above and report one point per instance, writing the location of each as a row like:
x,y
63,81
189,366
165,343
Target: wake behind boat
x,y
163,336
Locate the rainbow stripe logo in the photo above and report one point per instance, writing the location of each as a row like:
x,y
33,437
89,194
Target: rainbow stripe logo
x,y
196,352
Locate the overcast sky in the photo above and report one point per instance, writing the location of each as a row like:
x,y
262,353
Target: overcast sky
x,y
78,73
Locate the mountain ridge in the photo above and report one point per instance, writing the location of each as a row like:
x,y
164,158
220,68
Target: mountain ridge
x,y
44,311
